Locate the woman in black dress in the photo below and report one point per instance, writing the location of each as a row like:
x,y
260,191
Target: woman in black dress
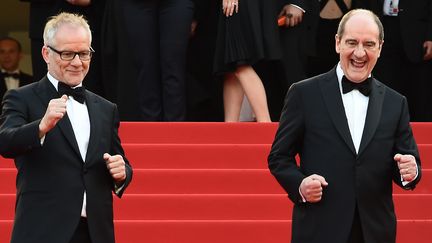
x,y
247,34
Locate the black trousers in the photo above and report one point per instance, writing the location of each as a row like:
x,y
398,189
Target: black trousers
x,y
158,33
81,234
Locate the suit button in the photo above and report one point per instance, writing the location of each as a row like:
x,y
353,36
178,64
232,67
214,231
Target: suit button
x,y
85,170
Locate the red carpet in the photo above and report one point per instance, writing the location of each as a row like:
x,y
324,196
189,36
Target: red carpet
x,y
209,183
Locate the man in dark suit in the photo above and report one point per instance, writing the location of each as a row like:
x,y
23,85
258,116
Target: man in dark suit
x,y
406,59
351,142
11,77
66,147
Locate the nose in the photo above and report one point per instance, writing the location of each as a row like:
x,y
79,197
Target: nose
x,y
76,60
359,51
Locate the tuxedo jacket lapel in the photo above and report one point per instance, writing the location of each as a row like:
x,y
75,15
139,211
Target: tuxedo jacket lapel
x,y
95,125
331,94
46,92
373,115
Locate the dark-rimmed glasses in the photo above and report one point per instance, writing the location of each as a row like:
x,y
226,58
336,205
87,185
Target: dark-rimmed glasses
x,y
70,55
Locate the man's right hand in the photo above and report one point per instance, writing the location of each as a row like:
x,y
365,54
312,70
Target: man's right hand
x,y
294,15
55,111
311,188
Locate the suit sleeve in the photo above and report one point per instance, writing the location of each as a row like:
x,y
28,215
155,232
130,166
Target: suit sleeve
x,y
405,144
287,144
18,135
118,149
300,3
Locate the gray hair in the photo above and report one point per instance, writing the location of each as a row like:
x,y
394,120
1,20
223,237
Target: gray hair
x,y
55,22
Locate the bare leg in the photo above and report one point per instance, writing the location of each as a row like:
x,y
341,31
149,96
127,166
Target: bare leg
x,y
255,92
233,97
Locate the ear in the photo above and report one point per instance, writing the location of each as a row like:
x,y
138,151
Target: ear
x,y
337,43
45,54
380,48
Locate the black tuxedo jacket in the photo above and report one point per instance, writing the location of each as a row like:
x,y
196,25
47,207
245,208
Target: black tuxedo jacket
x,y
314,126
52,177
415,19
24,79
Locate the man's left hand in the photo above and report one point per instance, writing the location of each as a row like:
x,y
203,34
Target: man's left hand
x,y
407,166
116,166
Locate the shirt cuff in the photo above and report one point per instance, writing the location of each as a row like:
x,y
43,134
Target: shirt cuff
x,y
117,189
298,7
302,197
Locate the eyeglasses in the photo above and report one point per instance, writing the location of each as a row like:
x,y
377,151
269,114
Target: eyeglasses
x,y
70,55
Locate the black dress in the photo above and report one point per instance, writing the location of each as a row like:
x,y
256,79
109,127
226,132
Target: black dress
x,y
246,37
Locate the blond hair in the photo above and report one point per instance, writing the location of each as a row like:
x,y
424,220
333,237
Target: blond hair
x,y
55,22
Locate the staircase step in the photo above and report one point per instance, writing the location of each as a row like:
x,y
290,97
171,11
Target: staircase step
x,y
208,156
226,231
222,132
198,156
220,181
422,132
198,132
224,207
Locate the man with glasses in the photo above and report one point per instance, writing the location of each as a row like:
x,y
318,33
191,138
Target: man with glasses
x,y
65,143
353,138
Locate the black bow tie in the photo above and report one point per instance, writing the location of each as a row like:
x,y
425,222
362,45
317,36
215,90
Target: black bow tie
x,y
364,87
77,93
11,75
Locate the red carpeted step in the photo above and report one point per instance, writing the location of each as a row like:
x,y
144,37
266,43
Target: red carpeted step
x,y
422,132
239,207
224,207
226,231
221,132
273,231
215,156
6,163
229,231
425,151
221,181
198,156
198,132
208,156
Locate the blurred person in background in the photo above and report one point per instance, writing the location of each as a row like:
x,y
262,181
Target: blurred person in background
x,y
11,77
247,34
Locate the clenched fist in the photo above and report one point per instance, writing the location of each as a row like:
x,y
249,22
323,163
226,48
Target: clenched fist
x,y
312,188
407,166
116,166
55,111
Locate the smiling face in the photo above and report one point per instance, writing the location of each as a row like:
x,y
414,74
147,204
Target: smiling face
x,y
10,55
68,38
359,46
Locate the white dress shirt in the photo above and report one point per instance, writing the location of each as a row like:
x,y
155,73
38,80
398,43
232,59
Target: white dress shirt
x,y
80,120
10,82
355,104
